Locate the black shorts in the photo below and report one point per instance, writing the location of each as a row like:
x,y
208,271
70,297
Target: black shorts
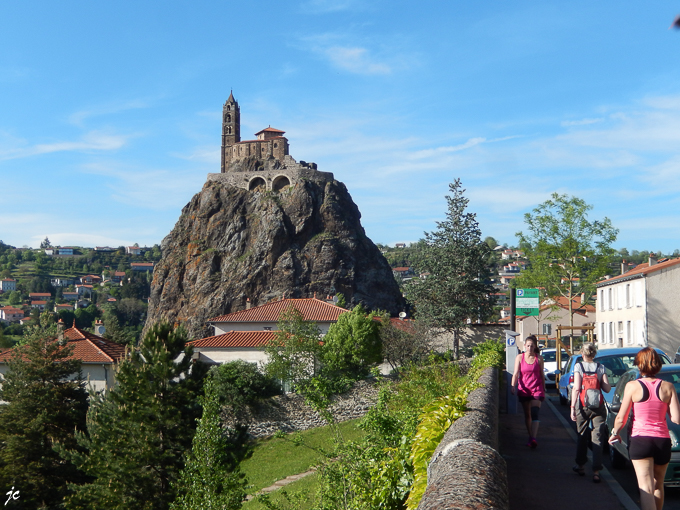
x,y
644,447
529,398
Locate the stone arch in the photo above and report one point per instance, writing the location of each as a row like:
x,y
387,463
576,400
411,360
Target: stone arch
x,y
257,184
280,182
228,118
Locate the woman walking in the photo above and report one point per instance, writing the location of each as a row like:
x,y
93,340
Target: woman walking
x,y
649,444
587,404
529,383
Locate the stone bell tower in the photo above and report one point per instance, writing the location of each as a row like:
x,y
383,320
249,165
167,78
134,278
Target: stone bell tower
x,y
231,127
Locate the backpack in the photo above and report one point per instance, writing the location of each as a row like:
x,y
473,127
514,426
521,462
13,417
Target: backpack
x,y
590,395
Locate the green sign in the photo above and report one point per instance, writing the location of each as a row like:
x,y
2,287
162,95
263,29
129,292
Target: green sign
x,y
526,302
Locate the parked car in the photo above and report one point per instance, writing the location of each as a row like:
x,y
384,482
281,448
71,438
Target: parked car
x,y
618,452
550,369
615,361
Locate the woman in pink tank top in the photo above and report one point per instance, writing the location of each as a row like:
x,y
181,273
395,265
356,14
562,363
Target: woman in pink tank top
x,y
529,383
649,444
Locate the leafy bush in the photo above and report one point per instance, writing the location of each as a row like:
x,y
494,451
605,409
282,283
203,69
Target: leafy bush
x,y
239,384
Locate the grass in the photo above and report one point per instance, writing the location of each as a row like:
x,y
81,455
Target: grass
x,y
305,486
273,459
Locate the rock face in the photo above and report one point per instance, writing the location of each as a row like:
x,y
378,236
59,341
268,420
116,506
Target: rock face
x,y
231,244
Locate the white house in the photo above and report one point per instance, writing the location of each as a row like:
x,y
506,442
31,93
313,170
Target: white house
x,y
98,356
240,335
8,285
641,307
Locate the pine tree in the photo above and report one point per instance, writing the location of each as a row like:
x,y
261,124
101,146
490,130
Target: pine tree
x,y
211,479
456,290
139,431
46,403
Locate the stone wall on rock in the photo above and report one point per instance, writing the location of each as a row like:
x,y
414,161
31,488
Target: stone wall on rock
x,y
289,413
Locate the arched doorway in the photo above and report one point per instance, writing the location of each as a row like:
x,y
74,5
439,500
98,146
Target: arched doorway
x,y
280,182
257,184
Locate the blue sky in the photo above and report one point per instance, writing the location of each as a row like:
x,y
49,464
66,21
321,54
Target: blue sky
x,y
110,111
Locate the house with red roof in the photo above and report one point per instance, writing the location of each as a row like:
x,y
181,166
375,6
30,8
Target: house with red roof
x,y
11,314
98,356
141,266
640,307
241,335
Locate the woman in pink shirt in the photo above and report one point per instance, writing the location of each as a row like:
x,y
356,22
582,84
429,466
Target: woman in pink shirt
x,y
649,444
529,383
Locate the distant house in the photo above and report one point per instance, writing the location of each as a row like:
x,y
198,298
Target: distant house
x,y
49,251
39,296
133,250
98,356
11,314
90,279
62,282
402,272
512,254
104,248
118,276
69,296
65,251
142,266
83,290
8,285
641,307
400,245
24,321
39,304
65,306
240,335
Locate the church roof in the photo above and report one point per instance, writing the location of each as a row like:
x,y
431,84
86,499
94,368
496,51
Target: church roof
x,y
312,309
231,97
269,130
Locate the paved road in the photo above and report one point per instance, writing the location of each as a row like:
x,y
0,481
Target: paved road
x,y
625,477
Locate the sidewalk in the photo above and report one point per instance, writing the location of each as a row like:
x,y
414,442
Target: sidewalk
x,y
542,478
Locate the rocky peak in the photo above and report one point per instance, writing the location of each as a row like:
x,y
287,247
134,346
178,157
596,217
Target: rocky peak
x,y
230,244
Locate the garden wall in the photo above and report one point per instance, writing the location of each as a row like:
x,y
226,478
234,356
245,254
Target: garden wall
x,y
466,470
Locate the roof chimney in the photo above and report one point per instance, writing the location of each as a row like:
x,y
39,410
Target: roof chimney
x,y
247,303
624,267
583,297
60,329
652,259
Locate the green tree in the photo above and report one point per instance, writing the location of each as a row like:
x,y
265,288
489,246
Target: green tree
x,y
352,345
14,297
139,431
567,252
294,351
46,243
46,402
239,384
210,479
456,290
405,342
112,329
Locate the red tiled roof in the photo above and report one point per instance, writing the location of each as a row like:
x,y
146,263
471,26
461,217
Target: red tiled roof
x,y
91,348
312,309
39,294
38,303
643,269
269,130
400,269
141,264
235,339
88,348
261,141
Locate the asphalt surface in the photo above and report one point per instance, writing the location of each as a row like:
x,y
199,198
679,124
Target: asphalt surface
x,y
543,478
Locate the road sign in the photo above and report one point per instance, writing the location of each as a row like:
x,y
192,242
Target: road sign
x,y
526,302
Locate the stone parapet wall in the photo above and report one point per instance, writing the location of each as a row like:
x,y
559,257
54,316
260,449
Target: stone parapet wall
x,y
466,470
289,412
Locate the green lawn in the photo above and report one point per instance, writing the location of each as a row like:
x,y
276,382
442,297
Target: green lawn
x,y
276,458
306,487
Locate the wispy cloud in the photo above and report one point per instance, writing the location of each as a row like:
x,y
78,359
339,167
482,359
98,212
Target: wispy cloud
x,y
79,118
94,141
206,154
355,60
326,6
582,122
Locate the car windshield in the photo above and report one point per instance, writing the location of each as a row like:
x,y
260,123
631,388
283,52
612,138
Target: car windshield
x,y
671,377
550,356
614,366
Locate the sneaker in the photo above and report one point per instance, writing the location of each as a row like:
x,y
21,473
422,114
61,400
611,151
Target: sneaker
x,y
533,443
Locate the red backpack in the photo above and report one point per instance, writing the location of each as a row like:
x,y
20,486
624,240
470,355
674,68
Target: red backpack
x,y
591,394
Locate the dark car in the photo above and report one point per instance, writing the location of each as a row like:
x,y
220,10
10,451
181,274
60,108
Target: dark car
x,y
615,361
618,452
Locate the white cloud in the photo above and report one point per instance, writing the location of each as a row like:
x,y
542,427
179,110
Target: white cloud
x,y
79,118
582,122
326,6
92,141
205,154
355,60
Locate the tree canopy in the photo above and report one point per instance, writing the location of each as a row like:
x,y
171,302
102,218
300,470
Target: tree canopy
x,y
456,290
567,252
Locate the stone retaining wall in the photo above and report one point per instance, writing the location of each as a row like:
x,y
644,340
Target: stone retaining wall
x,y
466,470
289,412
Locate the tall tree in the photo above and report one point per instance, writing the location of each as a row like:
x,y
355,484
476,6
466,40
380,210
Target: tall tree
x,y
567,252
211,479
139,431
456,290
46,402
